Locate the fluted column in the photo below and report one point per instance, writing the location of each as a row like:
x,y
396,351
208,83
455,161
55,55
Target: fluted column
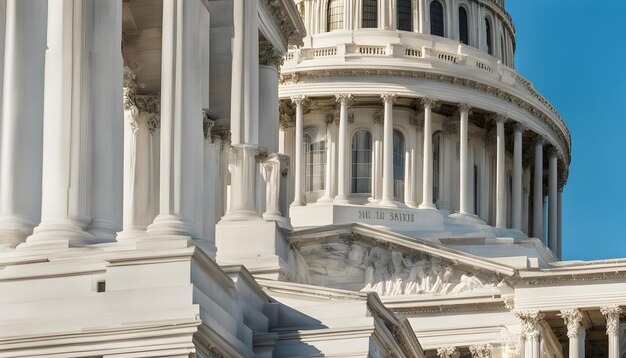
x,y
342,169
559,239
612,316
553,201
575,332
481,350
107,114
182,136
464,202
21,125
500,174
387,196
377,157
427,181
298,199
328,193
66,175
531,329
538,190
517,177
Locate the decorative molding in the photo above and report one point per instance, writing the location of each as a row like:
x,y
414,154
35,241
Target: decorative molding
x,y
300,101
378,117
207,123
449,126
464,107
447,352
573,319
530,322
351,118
388,97
481,350
426,102
344,98
149,104
329,119
611,314
453,308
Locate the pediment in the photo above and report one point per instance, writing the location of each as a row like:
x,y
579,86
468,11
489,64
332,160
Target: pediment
x,y
362,258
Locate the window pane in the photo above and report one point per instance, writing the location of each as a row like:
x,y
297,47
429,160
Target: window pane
x,y
404,15
463,26
361,162
335,15
489,39
315,163
398,165
436,18
370,14
436,144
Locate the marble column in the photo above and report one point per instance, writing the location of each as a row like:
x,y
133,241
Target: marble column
x,y
107,115
387,195
575,332
377,156
66,174
464,170
21,125
516,224
612,316
538,190
559,236
552,201
342,168
500,174
328,174
481,350
427,181
531,329
183,72
298,159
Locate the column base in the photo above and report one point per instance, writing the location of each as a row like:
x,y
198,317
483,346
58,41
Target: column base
x,y
341,200
241,215
325,199
298,203
427,206
13,231
132,234
283,222
388,203
103,230
57,235
167,224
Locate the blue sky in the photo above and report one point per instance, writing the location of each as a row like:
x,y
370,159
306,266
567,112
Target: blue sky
x,y
574,52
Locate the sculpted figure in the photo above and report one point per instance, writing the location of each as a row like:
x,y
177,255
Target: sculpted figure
x,y
467,283
416,275
395,285
447,275
380,258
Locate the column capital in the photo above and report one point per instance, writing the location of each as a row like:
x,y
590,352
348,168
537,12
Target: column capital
x,y
481,350
530,322
499,118
417,120
351,118
269,55
427,102
447,352
464,107
519,127
299,100
611,314
388,97
552,152
344,98
540,140
572,317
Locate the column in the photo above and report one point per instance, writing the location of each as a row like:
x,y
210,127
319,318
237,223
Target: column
x,y
612,316
377,156
183,73
448,352
298,199
269,67
552,201
328,192
538,190
500,174
427,181
107,115
464,203
531,329
387,195
342,169
559,239
66,172
575,332
21,125
518,130
481,350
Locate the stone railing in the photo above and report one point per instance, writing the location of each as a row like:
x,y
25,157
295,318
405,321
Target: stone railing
x,y
325,52
371,50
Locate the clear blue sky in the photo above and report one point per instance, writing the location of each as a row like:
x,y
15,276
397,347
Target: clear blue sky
x,y
574,52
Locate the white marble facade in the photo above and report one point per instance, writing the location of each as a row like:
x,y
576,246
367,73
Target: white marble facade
x,y
280,178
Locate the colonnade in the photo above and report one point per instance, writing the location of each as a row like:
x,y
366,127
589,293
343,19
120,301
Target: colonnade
x,y
386,198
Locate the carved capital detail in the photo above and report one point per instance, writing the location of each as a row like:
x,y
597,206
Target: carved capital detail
x,y
539,140
269,55
427,102
464,107
299,100
447,352
388,97
350,118
481,350
329,119
530,322
343,98
572,318
207,123
519,127
378,117
552,152
611,314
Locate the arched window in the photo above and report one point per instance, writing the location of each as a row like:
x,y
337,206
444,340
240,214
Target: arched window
x,y
463,26
361,162
404,15
334,15
315,159
398,165
370,14
489,36
436,160
436,18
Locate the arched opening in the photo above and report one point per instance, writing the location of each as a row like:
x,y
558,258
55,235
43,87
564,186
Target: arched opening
x,y
370,14
334,15
436,160
361,161
315,159
404,15
463,26
436,18
398,165
489,36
